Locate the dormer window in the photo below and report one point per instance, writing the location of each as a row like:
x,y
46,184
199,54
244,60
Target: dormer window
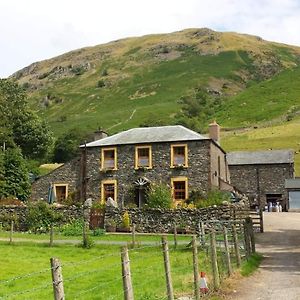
x,y
179,156
143,157
109,159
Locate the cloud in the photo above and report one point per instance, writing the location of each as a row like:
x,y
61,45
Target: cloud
x,y
32,30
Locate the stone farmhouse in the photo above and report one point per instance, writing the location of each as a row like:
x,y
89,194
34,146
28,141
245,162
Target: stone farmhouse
x,y
261,175
123,165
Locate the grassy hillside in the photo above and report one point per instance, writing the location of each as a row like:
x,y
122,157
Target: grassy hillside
x,y
141,80
275,137
276,99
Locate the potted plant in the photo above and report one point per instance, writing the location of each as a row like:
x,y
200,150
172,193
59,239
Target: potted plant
x,y
110,225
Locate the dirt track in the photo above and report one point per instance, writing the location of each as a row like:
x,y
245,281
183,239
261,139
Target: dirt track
x,y
279,274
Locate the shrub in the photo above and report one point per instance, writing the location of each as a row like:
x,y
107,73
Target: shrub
x,y
159,196
40,216
213,198
74,228
98,232
100,84
126,220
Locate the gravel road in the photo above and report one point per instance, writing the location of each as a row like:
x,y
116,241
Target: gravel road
x,y
279,274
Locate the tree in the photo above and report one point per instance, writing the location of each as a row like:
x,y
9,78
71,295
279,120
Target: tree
x,y
19,126
15,180
66,146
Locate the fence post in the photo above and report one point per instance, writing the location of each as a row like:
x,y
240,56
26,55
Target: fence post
x,y
214,260
51,235
236,246
252,238
227,251
202,232
127,284
167,268
11,231
86,221
175,237
247,240
133,236
57,279
196,269
261,219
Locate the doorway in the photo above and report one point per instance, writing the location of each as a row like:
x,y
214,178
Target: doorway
x,y
141,190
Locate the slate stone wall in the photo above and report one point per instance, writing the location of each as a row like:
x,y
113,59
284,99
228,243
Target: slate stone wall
x,y
66,174
6,212
198,171
163,220
258,180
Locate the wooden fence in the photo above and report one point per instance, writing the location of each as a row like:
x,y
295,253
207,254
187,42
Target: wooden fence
x,y
224,245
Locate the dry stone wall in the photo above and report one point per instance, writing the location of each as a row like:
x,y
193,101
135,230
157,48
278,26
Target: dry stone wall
x,y
19,213
163,220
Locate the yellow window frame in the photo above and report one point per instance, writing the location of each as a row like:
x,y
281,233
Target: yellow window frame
x,y
61,184
179,179
112,181
136,166
102,158
172,165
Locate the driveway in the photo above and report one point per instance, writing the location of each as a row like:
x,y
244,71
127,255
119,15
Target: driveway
x,y
278,277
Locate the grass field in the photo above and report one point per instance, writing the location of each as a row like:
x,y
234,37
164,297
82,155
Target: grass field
x,y
284,136
123,237
93,273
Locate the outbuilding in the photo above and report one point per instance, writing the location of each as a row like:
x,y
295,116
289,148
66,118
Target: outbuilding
x,y
262,175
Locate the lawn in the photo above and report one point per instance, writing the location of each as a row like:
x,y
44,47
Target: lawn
x,y
96,273
123,237
91,274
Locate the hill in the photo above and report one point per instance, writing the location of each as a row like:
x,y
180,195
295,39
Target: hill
x,y
143,80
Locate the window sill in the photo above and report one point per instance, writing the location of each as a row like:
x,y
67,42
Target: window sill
x,y
107,170
143,168
179,167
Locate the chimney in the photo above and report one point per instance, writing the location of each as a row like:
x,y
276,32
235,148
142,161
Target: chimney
x,y
99,134
214,131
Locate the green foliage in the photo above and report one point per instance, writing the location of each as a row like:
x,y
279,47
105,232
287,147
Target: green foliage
x,y
98,232
198,109
66,146
40,216
78,70
251,265
74,228
214,197
100,84
126,220
14,177
159,196
5,220
19,125
88,243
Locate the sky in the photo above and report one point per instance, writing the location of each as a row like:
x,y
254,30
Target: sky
x,y
34,30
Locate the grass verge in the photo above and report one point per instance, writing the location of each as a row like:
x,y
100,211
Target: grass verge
x,y
250,266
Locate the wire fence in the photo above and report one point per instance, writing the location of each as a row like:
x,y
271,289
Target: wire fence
x,y
147,272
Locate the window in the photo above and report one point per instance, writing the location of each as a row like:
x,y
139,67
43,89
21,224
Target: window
x,y
179,156
143,157
179,188
108,189
60,192
109,159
